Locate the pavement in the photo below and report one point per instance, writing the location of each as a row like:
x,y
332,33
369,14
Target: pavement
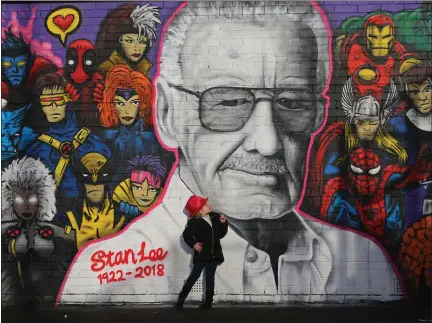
x,y
221,313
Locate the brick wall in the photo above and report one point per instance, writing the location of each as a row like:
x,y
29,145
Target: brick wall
x,y
307,125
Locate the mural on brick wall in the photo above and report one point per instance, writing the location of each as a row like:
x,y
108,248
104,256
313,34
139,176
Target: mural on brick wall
x,y
308,128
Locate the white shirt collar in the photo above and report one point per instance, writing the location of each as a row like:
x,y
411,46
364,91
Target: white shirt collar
x,y
422,122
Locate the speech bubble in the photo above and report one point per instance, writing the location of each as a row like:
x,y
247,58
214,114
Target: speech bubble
x,y
63,21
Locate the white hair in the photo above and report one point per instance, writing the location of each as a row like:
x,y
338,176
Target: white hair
x,y
145,19
303,13
28,174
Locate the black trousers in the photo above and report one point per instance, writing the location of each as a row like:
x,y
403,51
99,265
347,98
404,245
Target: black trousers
x,y
210,267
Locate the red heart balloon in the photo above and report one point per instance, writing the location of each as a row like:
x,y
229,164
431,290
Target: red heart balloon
x,y
63,22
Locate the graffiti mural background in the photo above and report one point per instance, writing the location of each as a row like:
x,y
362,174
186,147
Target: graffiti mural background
x,y
307,124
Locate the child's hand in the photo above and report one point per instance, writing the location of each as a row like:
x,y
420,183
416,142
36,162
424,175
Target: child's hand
x,y
222,218
198,246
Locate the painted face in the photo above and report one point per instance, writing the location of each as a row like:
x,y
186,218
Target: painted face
x,y
95,175
14,68
53,102
127,107
80,61
255,171
379,41
25,203
11,129
133,47
421,95
145,192
366,128
364,171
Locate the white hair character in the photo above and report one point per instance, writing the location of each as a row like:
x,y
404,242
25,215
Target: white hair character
x,y
28,174
145,19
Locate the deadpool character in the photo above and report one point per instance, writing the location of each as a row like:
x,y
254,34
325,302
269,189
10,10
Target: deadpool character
x,y
80,71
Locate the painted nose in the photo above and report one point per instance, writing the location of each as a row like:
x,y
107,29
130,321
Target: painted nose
x,y
262,134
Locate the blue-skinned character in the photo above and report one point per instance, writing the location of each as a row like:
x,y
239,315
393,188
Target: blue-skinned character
x,y
63,139
15,137
20,69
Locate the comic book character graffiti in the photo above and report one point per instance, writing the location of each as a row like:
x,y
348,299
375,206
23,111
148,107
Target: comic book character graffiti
x,y
126,114
133,29
81,72
413,127
147,176
20,69
416,22
368,199
365,128
374,56
36,250
94,216
415,260
63,137
15,137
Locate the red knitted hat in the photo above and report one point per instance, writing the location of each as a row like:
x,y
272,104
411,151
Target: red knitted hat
x,y
194,205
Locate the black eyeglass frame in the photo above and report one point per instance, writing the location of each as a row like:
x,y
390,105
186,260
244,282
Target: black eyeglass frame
x,y
200,95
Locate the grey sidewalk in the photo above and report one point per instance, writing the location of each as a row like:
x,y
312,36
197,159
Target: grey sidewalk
x,y
261,314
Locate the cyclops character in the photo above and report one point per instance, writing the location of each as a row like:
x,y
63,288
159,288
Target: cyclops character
x,y
34,248
144,185
63,138
133,28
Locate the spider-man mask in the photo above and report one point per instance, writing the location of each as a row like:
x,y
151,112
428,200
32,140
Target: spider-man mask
x,y
364,171
80,61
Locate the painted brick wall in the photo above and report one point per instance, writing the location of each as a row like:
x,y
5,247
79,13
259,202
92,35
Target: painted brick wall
x,y
306,125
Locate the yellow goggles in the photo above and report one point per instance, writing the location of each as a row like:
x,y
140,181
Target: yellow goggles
x,y
58,99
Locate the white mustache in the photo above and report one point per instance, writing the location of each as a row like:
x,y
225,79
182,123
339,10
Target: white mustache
x,y
256,164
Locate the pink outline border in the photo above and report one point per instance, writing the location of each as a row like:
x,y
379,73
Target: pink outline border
x,y
174,167
324,124
168,22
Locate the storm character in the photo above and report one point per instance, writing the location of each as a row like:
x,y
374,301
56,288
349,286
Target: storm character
x,y
36,250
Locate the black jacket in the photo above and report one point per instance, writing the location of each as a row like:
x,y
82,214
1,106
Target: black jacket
x,y
198,230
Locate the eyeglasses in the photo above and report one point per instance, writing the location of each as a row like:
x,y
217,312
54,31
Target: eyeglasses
x,y
59,99
227,109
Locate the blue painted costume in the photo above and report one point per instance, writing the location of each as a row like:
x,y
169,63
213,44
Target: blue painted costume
x,y
15,137
343,210
127,142
55,148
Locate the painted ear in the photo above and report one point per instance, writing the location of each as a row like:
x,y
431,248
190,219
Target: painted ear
x,y
165,113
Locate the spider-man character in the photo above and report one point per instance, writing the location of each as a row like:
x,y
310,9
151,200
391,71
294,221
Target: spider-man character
x,y
80,71
375,57
370,198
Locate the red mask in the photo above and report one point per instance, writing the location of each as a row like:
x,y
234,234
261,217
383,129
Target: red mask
x,y
80,61
364,171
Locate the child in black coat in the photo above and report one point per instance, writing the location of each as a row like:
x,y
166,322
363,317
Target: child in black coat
x,y
203,233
